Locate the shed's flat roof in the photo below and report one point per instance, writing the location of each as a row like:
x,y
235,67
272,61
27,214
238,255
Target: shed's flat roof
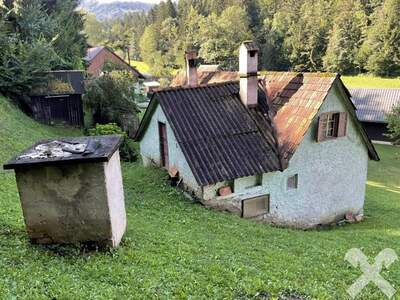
x,y
95,149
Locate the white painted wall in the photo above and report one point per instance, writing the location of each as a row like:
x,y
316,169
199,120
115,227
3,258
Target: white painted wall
x,y
331,178
150,150
331,174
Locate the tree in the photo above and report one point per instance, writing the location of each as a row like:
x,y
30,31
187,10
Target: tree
x,y
94,30
37,36
393,120
303,35
221,36
346,38
149,50
69,42
190,29
111,99
381,49
306,39
169,45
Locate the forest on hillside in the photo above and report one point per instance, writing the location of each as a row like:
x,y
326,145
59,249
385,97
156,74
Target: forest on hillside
x,y
346,36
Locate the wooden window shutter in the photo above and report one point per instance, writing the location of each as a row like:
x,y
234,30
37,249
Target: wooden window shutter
x,y
342,124
322,127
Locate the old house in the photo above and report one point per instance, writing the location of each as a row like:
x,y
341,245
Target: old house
x,y
372,107
286,148
98,57
59,100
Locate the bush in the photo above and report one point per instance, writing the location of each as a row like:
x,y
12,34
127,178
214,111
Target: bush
x,y
393,120
111,99
127,148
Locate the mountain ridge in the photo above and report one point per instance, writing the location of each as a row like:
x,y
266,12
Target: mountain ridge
x,y
113,10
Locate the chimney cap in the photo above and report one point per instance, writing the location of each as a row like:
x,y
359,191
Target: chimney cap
x,y
250,45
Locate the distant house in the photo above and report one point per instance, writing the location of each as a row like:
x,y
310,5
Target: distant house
x,y
150,86
372,107
60,99
97,57
286,148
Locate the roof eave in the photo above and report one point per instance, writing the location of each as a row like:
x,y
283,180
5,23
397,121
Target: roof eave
x,y
146,118
372,153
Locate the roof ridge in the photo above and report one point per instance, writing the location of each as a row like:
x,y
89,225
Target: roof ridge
x,y
186,87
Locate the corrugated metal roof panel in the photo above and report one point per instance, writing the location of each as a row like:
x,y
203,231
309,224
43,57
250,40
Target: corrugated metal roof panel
x,y
374,104
217,133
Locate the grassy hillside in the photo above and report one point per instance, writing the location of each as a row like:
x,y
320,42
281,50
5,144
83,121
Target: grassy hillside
x,y
174,248
17,131
370,82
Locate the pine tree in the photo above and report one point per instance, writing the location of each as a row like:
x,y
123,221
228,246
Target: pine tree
x,y
346,38
70,42
381,49
306,39
190,29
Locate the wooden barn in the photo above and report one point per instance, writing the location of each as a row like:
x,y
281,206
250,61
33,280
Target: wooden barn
x,y
60,99
372,107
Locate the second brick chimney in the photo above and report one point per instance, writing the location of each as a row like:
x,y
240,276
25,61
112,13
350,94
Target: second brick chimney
x,y
191,67
248,68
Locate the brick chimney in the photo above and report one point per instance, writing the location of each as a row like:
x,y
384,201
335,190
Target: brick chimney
x,y
248,67
191,68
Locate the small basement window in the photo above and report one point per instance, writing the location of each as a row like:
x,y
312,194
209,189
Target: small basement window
x,y
292,182
255,206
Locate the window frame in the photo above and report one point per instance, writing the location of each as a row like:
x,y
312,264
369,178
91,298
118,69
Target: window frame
x,y
292,182
332,125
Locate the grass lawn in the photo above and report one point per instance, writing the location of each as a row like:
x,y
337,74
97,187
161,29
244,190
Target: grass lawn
x,y
174,248
370,82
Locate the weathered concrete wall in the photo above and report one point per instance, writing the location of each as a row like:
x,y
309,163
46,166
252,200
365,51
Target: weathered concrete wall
x,y
150,151
71,203
331,179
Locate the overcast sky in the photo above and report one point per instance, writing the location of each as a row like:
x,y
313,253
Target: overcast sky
x,y
146,1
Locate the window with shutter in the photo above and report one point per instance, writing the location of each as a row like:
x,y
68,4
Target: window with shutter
x,y
331,125
342,124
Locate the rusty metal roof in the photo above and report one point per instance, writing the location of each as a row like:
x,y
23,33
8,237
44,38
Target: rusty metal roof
x,y
295,100
374,104
217,133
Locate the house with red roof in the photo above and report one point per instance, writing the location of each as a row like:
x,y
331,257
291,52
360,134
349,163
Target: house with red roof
x,y
283,147
97,57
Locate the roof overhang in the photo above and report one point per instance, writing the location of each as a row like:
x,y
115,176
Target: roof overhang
x,y
373,154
